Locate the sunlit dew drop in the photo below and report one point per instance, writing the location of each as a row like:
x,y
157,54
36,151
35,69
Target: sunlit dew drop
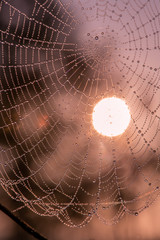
x,y
111,116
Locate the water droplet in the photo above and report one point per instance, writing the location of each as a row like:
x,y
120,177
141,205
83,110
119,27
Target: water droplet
x,y
93,211
136,213
96,37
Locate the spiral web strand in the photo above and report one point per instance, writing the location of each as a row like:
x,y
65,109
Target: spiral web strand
x,y
57,60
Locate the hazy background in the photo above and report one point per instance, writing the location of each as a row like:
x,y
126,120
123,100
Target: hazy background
x,y
58,59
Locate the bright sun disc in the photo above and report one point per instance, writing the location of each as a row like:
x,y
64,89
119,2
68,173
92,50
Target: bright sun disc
x,y
111,117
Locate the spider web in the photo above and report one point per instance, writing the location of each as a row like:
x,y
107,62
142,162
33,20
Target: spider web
x,y
57,60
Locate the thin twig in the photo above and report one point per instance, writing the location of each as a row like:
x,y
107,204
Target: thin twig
x,y
22,224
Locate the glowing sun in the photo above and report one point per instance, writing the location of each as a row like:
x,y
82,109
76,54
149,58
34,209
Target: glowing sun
x,y
111,116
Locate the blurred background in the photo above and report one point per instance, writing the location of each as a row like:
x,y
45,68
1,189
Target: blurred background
x,y
57,60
